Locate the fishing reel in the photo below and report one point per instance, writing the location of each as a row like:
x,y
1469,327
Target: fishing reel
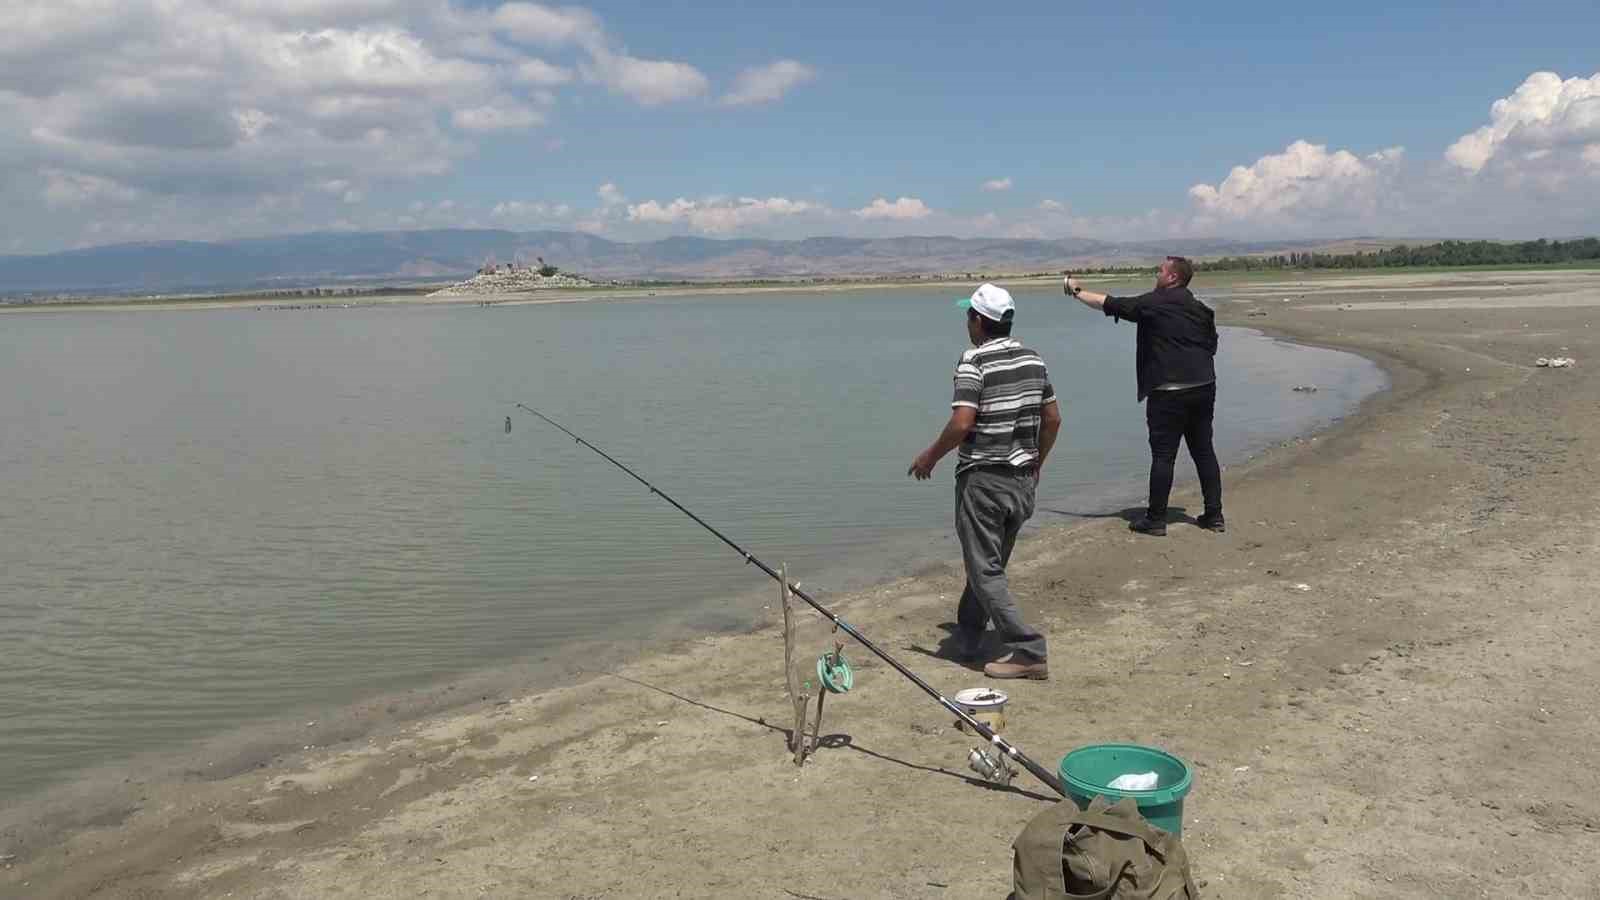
x,y
834,673
992,765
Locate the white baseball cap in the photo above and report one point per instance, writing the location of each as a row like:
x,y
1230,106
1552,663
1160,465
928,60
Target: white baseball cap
x,y
993,303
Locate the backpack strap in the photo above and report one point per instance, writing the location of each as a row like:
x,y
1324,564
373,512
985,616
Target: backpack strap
x,y
1104,816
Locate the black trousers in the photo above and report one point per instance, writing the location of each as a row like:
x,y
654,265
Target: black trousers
x,y
1182,415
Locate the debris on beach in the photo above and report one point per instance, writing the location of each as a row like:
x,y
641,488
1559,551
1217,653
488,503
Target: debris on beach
x,y
1558,362
1305,389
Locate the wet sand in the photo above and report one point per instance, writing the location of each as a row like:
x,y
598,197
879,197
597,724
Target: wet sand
x,y
1383,675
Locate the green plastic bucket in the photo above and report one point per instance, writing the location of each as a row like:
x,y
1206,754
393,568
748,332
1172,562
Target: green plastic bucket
x,y
1089,771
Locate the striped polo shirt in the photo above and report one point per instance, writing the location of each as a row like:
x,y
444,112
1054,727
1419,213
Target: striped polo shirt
x,y
1008,385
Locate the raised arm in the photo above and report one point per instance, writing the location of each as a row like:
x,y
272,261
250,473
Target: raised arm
x,y
1091,299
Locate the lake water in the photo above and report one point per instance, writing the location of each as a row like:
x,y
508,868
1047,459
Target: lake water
x,y
214,518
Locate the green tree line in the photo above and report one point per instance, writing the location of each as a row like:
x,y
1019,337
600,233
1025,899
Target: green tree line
x,y
1446,253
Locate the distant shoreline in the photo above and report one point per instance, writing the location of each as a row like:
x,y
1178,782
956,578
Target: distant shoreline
x,y
423,295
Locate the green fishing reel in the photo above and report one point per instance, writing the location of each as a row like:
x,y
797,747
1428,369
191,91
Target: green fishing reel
x,y
835,673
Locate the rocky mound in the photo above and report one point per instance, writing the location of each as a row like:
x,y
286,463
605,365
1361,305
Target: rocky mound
x,y
513,281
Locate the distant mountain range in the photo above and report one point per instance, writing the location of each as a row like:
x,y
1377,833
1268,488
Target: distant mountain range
x,y
332,258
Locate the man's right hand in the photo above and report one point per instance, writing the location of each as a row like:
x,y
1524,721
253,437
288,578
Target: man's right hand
x,y
1070,286
922,467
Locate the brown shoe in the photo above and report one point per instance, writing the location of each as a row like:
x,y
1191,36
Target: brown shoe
x,y
1018,665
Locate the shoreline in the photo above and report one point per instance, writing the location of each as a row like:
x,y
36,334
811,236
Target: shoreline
x,y
608,768
1449,278
553,295
1248,279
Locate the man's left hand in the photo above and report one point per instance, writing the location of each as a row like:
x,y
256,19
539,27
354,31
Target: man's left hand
x,y
922,467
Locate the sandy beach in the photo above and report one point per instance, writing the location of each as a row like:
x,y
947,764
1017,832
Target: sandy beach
x,y
1379,675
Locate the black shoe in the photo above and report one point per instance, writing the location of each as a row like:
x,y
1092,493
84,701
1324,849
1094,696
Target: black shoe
x,y
1212,522
1146,525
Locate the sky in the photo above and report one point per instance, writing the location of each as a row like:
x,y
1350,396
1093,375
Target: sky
x,y
141,120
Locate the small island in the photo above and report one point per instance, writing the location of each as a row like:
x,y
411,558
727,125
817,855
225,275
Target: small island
x,y
495,279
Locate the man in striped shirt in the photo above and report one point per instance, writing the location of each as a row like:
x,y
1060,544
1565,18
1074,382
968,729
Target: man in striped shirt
x,y
1004,419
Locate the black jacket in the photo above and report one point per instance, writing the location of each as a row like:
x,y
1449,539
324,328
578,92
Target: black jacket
x,y
1177,337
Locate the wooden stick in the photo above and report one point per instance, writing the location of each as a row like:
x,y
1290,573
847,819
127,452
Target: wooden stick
x,y
797,737
816,734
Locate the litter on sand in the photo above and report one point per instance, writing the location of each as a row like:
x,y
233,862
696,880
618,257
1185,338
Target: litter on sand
x,y
1134,781
1559,362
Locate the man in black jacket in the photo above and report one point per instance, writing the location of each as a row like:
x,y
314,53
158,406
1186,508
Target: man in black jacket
x,y
1177,343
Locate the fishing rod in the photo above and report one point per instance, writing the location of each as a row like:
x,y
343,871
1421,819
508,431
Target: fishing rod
x,y
992,767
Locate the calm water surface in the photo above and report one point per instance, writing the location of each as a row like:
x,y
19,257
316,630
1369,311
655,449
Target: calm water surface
x,y
212,518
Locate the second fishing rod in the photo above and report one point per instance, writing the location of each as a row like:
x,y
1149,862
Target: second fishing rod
x,y
1005,749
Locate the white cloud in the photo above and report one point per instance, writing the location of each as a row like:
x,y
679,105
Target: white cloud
x,y
765,84
647,82
610,195
1049,205
314,12
364,59
503,114
902,209
236,102
1544,113
1304,184
539,72
241,101
551,26
77,189
1531,171
717,215
998,184
530,210
341,188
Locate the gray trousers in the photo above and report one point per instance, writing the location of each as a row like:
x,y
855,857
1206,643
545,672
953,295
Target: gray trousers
x,y
991,505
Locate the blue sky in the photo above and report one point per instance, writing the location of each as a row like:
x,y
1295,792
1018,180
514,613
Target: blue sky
x,y
139,120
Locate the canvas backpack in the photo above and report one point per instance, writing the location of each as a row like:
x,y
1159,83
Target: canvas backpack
x,y
1105,852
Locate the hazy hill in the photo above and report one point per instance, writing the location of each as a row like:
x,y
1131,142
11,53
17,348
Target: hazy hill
x,y
331,257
